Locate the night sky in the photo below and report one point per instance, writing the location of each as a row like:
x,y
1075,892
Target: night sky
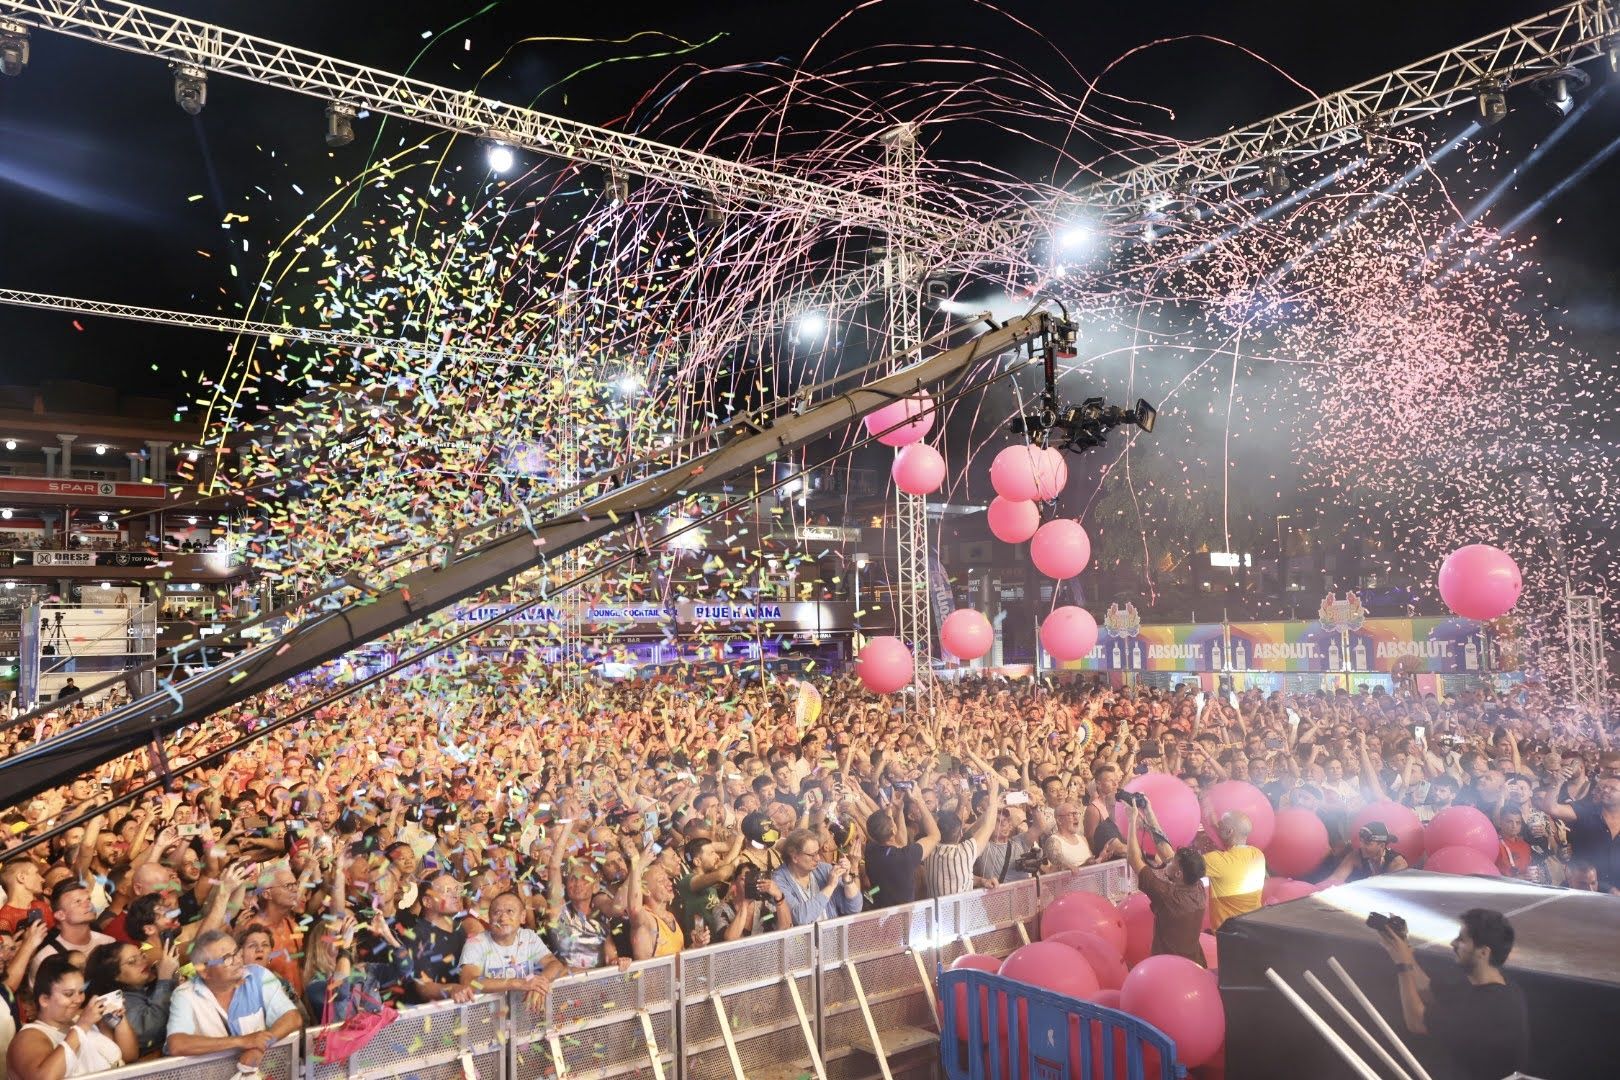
x,y
99,169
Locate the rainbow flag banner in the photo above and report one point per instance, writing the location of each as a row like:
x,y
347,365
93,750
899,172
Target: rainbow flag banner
x,y
1396,646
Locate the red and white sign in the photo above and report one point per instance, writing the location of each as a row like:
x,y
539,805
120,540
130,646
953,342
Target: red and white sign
x,y
79,489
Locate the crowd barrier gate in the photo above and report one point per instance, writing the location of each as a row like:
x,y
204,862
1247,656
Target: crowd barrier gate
x,y
844,999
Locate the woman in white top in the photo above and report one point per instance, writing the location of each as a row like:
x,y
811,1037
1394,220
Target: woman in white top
x,y
72,1037
1065,847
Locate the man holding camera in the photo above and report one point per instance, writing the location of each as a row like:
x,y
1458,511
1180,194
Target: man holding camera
x,y
1480,1027
1176,892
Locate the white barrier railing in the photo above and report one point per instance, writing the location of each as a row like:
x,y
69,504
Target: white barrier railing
x,y
844,999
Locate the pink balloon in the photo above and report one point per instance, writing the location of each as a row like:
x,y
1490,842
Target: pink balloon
x,y
1060,548
1137,911
1480,582
1242,796
1104,956
1400,820
1463,826
1173,803
1460,859
1280,890
918,469
1107,998
1022,472
1051,966
1069,632
966,634
1051,480
1013,521
1299,842
1182,1000
973,962
917,405
1089,912
885,665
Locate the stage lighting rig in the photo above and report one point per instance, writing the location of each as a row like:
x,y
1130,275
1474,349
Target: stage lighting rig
x,y
339,124
1560,88
13,47
1493,106
190,88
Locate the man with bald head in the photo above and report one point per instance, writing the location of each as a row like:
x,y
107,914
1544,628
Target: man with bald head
x,y
147,879
1237,875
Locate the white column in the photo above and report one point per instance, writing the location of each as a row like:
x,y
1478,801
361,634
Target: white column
x,y
67,454
50,459
159,471
134,465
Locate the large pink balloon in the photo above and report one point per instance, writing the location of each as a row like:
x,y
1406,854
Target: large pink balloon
x,y
1245,798
1459,859
1051,480
885,665
1090,912
1182,1000
1463,826
1012,521
1173,803
1105,958
1480,582
966,634
1137,910
918,469
1299,842
1400,820
1022,472
1280,890
1051,966
1069,632
915,409
1060,548
973,962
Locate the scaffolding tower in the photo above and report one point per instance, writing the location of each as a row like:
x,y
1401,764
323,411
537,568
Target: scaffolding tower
x,y
1588,682
912,596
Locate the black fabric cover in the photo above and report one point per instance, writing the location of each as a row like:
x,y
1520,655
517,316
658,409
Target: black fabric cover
x,y
1566,958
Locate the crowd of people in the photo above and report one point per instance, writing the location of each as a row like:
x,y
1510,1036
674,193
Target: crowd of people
x,y
408,847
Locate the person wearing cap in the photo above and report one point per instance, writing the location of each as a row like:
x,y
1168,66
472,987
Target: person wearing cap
x,y
1371,855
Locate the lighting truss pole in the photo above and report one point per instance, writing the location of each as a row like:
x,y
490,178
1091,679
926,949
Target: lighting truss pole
x,y
912,600
1567,36
1588,680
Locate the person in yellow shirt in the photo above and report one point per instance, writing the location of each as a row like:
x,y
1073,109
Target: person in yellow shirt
x,y
1237,875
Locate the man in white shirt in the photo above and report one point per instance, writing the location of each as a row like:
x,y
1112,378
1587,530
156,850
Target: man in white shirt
x,y
73,935
508,956
949,867
228,1005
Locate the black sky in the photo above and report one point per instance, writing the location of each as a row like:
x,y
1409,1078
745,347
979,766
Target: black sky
x,y
97,166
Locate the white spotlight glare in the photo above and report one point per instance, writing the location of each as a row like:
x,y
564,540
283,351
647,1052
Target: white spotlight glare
x,y
811,326
500,157
11,444
6,513
101,448
629,384
1074,236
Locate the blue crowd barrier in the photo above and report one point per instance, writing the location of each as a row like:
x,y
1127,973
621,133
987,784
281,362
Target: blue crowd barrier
x,y
1055,1037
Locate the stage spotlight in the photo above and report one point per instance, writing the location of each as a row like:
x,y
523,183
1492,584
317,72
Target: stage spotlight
x,y
629,385
1071,237
1611,45
617,189
101,448
499,156
1276,176
11,444
339,124
1560,88
13,47
811,326
1493,106
190,88
6,513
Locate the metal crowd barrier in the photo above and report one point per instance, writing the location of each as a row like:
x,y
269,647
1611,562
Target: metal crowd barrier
x,y
852,998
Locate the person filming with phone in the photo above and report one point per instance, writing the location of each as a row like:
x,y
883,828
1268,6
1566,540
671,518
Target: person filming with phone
x,y
1479,1027
73,1035
1176,891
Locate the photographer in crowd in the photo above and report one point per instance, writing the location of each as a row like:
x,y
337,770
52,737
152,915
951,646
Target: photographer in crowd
x,y
1479,1026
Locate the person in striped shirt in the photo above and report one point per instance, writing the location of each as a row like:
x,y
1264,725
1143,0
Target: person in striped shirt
x,y
949,867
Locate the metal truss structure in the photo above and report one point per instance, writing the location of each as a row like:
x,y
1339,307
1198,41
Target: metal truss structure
x,y
913,600
1588,675
462,567
1566,36
220,324
221,51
